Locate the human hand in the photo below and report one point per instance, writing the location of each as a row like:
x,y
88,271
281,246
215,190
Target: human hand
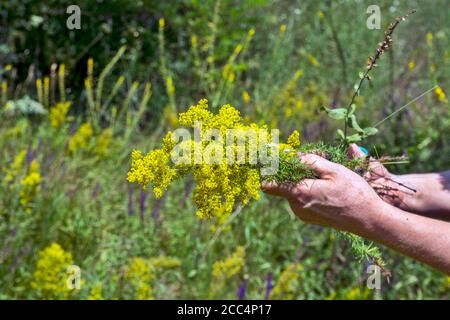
x,y
391,188
339,198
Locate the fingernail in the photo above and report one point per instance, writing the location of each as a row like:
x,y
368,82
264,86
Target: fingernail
x,y
364,150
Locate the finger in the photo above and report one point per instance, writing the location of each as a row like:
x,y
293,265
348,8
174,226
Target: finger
x,y
320,165
285,190
377,170
355,152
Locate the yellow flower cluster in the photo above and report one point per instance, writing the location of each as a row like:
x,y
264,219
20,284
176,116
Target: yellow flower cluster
x,y
219,186
440,94
294,139
50,275
231,265
30,184
58,114
103,142
139,273
15,168
153,168
96,293
286,284
81,138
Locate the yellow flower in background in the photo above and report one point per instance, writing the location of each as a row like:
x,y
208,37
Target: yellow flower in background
x,y
440,94
312,60
15,168
103,142
163,262
40,91
4,97
294,139
231,265
58,114
30,184
169,86
50,275
246,97
139,273
320,14
411,64
81,138
429,38
283,29
161,23
90,70
357,294
96,293
287,282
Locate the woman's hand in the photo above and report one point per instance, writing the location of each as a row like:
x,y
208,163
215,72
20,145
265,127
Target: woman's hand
x,y
426,194
343,200
391,188
339,198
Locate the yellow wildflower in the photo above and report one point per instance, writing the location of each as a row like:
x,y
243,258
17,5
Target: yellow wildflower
x,y
103,142
411,64
81,138
357,294
287,282
219,185
164,262
282,29
40,91
231,265
162,23
58,114
294,139
429,37
96,293
440,94
139,273
30,184
312,60
169,86
50,275
15,168
246,97
320,14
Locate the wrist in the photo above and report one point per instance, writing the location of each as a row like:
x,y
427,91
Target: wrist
x,y
372,218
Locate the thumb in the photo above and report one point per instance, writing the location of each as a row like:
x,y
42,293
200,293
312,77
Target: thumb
x,y
355,152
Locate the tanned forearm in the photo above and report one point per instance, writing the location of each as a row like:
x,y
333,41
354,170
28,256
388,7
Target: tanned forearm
x,y
431,196
421,238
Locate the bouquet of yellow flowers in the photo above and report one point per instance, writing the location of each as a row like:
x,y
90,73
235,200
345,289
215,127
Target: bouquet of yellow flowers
x,y
228,159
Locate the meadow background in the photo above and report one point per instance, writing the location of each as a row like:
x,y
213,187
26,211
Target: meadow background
x,y
74,104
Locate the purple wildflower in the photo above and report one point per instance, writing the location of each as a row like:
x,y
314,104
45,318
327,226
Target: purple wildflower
x,y
242,289
130,200
269,286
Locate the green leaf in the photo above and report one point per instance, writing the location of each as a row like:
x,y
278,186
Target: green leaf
x,y
340,134
354,138
370,131
354,124
352,109
337,114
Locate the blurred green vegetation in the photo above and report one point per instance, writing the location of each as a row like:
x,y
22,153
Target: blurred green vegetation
x,y
278,62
